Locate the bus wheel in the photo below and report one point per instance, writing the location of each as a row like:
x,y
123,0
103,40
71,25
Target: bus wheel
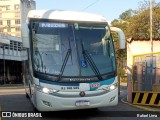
x,y
35,109
27,96
30,92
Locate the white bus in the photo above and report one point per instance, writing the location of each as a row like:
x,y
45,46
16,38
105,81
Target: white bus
x,y
71,60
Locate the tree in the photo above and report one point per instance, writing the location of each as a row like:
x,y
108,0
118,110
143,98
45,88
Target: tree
x,y
136,23
127,14
140,24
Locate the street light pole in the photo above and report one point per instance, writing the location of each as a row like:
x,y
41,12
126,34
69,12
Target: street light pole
x,y
151,25
4,63
151,40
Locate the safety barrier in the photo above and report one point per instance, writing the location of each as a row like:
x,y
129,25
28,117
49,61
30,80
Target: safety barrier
x,y
146,98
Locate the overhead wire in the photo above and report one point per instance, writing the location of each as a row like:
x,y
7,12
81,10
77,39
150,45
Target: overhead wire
x,y
90,5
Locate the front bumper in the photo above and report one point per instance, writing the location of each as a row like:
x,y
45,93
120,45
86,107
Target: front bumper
x,y
46,102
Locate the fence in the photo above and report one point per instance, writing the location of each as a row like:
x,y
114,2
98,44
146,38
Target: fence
x,y
146,79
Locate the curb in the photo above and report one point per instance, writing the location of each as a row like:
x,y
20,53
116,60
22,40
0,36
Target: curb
x,y
12,87
3,88
140,107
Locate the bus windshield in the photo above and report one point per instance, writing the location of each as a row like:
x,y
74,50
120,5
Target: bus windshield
x,y
72,49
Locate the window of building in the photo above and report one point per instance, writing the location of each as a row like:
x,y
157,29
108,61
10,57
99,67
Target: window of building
x,y
11,45
19,44
1,22
1,30
16,7
15,45
8,22
0,15
18,29
8,29
17,21
8,7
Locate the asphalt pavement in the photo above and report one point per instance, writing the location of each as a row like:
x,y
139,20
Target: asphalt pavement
x,y
123,87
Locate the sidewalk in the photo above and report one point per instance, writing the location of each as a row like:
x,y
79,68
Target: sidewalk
x,y
123,86
12,86
11,91
143,107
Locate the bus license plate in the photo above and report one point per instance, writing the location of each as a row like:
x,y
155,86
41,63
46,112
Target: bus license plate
x,y
82,103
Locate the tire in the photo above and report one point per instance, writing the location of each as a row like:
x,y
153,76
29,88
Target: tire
x,y
27,96
30,92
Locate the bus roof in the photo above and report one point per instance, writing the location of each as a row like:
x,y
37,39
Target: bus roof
x,y
66,15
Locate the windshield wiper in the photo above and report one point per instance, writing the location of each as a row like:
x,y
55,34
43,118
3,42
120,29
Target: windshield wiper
x,y
65,61
64,64
91,62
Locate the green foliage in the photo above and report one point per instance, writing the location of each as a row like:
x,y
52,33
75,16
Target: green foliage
x,y
127,14
121,73
136,23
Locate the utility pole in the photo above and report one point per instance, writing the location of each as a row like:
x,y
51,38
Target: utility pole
x,y
151,25
151,40
4,67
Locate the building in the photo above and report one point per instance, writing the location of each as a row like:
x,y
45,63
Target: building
x,y
143,71
13,14
11,56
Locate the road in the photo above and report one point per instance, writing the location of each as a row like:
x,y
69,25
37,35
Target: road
x,y
16,101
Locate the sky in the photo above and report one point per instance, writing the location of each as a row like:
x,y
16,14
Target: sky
x,y
110,9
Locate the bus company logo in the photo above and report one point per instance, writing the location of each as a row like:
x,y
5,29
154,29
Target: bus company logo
x,y
95,85
82,94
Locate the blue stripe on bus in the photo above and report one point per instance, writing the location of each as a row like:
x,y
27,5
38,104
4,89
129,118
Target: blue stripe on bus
x,y
104,82
59,83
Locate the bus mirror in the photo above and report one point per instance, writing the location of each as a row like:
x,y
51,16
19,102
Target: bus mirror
x,y
121,36
76,26
25,35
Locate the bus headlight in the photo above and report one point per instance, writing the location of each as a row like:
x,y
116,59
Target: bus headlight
x,y
111,87
45,89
